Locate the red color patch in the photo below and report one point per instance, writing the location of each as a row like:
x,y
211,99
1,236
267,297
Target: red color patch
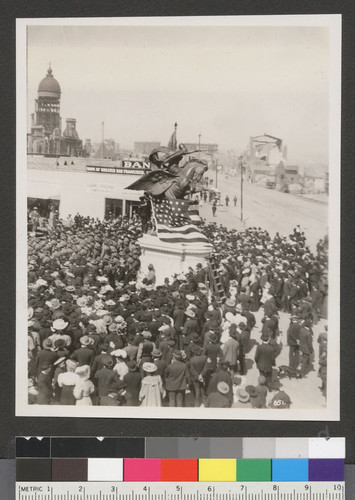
x,y
179,469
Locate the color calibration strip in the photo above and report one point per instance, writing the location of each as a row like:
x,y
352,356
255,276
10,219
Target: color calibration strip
x,y
112,447
161,470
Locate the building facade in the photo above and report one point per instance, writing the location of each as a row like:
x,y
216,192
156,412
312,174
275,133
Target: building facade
x,y
88,186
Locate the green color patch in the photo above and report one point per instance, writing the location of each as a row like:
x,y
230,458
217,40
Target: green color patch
x,y
250,469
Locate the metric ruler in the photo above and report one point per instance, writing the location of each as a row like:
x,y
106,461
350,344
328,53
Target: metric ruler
x,y
180,491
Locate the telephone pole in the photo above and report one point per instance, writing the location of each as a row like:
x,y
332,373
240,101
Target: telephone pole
x,y
103,141
241,188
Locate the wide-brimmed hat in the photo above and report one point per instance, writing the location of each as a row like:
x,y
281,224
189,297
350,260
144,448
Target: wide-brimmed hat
x,y
163,327
149,367
242,395
60,324
146,334
53,304
60,360
107,319
230,302
86,341
81,301
177,354
112,327
195,349
223,387
47,344
195,337
110,302
157,353
119,319
250,389
190,313
119,353
60,344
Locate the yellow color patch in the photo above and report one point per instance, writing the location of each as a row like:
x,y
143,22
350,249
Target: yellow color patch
x,y
217,469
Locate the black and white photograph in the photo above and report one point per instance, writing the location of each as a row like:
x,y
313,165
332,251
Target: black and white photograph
x,y
178,246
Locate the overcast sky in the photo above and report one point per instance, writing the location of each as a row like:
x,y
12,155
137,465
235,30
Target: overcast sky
x,y
225,83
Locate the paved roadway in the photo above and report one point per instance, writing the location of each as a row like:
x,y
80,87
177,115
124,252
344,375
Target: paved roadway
x,y
270,210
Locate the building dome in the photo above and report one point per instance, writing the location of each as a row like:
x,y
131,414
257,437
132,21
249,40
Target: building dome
x,y
49,86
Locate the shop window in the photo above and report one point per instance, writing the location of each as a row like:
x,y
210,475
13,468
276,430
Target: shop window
x,y
113,207
44,206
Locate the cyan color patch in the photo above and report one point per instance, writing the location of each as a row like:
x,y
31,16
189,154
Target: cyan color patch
x,y
293,469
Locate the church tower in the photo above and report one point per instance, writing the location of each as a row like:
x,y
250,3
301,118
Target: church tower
x,y
47,104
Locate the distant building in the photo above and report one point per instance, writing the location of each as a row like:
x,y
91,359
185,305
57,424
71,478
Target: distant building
x,y
46,135
109,150
266,160
145,148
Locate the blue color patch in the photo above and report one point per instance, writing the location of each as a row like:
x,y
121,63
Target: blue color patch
x,y
293,469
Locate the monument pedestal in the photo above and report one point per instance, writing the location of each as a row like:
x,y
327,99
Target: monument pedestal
x,y
170,258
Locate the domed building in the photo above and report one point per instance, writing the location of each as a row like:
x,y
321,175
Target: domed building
x,y
46,128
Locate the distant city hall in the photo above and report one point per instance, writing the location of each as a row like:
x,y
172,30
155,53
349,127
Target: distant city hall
x,y
46,136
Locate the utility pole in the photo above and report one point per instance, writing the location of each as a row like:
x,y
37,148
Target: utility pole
x,y
241,189
199,145
103,144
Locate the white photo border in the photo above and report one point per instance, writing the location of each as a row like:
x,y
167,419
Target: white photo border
x,y
332,410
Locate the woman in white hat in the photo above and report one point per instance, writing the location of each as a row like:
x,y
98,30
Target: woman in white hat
x,y
152,386
84,387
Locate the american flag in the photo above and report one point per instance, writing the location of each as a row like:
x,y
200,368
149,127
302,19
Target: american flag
x,y
174,224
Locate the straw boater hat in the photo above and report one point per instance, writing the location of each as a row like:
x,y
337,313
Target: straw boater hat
x,y
149,367
59,324
242,395
223,387
81,301
86,341
53,304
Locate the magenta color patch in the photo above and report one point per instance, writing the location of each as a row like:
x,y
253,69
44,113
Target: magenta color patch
x,y
142,469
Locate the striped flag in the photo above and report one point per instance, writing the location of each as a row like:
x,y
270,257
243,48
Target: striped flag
x,y
174,224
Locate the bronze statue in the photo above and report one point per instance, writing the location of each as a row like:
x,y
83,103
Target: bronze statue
x,y
168,178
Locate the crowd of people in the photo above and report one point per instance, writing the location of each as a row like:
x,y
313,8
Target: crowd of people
x,y
101,331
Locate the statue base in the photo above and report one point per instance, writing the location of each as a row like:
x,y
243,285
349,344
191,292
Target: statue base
x,y
170,258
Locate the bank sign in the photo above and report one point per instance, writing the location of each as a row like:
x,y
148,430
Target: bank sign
x,y
135,167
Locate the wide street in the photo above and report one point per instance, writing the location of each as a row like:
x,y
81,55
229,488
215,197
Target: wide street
x,y
269,209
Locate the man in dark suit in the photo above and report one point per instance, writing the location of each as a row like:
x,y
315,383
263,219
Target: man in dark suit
x,y
196,366
84,355
177,380
293,341
306,347
265,360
